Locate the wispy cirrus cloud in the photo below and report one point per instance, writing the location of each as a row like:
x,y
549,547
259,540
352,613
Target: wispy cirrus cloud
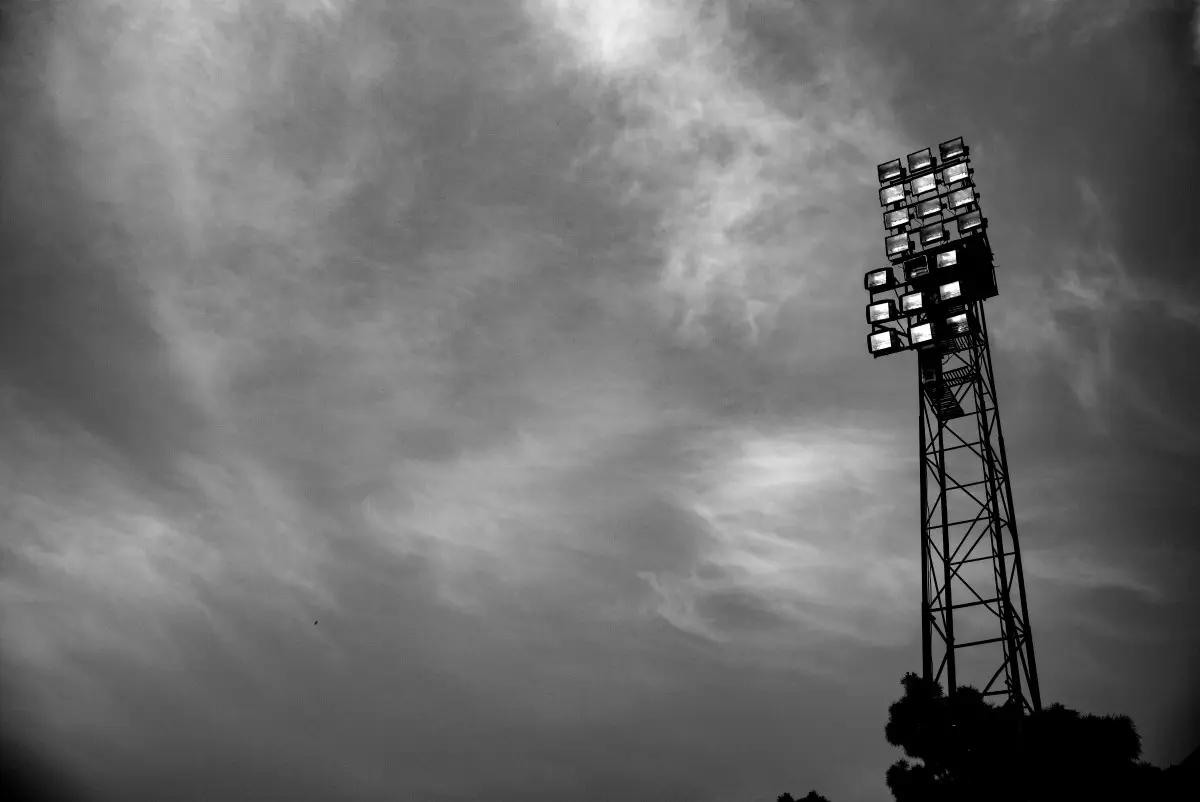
x,y
744,178
800,538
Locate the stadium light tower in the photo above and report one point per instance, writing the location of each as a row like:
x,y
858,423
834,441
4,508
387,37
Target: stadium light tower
x,y
971,574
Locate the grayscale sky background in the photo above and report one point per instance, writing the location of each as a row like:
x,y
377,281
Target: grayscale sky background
x,y
522,345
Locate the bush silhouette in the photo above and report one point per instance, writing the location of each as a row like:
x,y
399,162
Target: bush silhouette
x,y
968,749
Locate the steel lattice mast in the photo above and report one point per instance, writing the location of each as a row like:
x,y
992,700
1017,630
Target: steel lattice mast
x,y
974,615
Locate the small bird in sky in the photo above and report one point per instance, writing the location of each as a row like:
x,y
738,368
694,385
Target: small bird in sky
x,y
314,623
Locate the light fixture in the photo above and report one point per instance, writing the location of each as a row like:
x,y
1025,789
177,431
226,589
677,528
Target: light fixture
x,y
947,259
890,195
921,333
913,302
881,311
933,233
948,291
970,221
897,244
916,267
889,171
920,160
884,342
928,208
957,324
880,279
923,184
952,149
895,219
955,173
961,197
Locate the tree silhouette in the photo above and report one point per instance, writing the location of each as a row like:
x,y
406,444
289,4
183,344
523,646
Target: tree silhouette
x,y
967,749
813,796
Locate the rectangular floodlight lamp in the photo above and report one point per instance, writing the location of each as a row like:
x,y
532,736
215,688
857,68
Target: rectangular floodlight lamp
x,y
880,279
955,173
921,333
928,208
920,160
947,259
948,291
889,171
957,324
926,183
952,149
933,233
884,342
915,268
961,197
895,219
913,302
882,311
897,244
970,221
890,195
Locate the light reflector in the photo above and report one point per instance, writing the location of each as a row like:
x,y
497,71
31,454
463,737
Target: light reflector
x,y
970,221
889,171
926,183
895,219
947,259
952,149
948,291
879,278
933,233
961,197
884,310
897,244
958,323
882,341
915,268
928,208
921,333
954,173
890,195
920,160
913,302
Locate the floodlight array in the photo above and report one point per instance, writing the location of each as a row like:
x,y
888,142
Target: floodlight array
x,y
936,239
926,189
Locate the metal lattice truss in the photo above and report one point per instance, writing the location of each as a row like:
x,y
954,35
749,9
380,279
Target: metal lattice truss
x,y
974,615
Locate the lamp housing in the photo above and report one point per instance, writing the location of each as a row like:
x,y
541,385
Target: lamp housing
x,y
882,279
933,233
920,160
892,194
923,184
881,311
971,221
916,268
882,342
896,219
897,245
952,149
890,171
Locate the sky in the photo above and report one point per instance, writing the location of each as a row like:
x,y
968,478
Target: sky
x,y
460,400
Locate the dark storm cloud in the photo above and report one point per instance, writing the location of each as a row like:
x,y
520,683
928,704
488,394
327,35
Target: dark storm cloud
x,y
514,342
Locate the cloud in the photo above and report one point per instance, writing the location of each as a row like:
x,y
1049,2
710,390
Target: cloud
x,y
1196,32
1071,307
799,538
744,176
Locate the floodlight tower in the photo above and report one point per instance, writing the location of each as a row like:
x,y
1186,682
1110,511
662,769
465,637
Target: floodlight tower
x,y
971,574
